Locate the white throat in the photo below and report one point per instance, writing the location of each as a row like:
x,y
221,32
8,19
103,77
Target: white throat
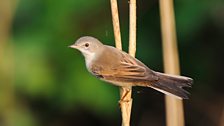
x,y
89,57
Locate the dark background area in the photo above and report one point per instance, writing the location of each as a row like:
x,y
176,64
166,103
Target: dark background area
x,y
51,86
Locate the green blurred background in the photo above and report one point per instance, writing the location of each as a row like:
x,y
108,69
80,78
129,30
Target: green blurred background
x,y
45,83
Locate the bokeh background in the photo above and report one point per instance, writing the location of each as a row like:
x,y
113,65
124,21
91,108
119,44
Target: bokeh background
x,y
45,83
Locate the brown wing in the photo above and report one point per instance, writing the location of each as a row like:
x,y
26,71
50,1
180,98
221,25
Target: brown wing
x,y
127,69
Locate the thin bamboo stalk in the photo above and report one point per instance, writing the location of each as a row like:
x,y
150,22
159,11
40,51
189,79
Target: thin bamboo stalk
x,y
127,103
174,107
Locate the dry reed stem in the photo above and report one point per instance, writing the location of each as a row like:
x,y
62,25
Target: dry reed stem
x,y
116,24
7,104
127,101
174,107
132,28
132,49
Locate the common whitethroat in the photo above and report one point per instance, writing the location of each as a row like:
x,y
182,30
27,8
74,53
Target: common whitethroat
x,y
119,68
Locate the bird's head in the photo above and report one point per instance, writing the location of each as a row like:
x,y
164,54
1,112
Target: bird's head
x,y
88,46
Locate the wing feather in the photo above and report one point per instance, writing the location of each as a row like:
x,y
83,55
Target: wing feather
x,y
128,69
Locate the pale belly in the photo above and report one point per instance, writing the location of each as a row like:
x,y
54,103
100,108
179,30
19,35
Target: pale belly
x,y
116,83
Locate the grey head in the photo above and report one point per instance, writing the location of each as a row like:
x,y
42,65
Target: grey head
x,y
88,46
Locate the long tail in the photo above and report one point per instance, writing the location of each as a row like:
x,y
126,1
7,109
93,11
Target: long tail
x,y
172,85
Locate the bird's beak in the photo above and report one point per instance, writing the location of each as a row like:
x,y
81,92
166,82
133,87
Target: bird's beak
x,y
73,46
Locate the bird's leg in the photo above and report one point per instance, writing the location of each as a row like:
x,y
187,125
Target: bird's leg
x,y
123,98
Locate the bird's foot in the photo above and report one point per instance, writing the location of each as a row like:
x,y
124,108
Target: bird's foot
x,y
123,98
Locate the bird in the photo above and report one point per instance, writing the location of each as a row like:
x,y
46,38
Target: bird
x,y
121,69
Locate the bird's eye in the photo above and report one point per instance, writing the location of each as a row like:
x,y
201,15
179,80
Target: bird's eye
x,y
87,45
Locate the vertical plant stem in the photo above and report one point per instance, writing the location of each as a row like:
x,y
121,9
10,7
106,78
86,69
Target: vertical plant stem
x,y
174,107
116,24
132,49
132,28
127,100
6,63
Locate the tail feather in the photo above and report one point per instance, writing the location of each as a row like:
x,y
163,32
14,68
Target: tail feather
x,y
172,85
